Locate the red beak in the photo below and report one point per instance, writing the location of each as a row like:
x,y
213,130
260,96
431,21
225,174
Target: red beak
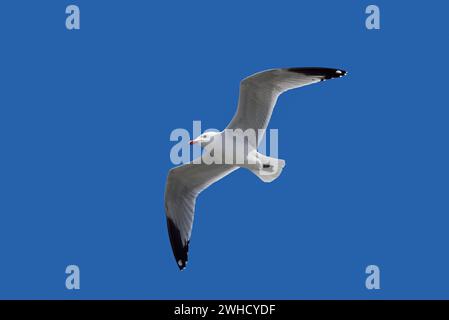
x,y
192,142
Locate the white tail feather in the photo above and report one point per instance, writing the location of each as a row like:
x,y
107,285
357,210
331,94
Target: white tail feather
x,y
269,171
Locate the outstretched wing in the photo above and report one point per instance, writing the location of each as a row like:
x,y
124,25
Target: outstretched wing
x,y
184,184
259,93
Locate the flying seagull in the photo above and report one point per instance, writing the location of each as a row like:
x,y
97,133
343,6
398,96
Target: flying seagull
x,y
258,96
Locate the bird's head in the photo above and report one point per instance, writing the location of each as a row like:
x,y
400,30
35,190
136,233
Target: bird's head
x,y
204,139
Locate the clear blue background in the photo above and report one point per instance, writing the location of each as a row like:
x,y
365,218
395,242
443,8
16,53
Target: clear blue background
x,y
85,119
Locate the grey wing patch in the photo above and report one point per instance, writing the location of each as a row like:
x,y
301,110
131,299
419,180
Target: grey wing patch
x,y
179,209
259,93
184,184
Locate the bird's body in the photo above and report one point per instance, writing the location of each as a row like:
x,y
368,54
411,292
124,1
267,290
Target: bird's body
x,y
233,148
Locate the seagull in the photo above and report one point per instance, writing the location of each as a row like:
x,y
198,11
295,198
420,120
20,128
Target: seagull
x,y
258,95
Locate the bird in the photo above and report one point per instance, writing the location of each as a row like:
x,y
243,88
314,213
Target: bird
x,y
257,99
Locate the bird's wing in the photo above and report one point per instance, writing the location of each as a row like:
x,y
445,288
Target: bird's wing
x,y
184,184
259,93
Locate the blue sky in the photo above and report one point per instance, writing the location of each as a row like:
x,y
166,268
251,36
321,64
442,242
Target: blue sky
x,y
85,121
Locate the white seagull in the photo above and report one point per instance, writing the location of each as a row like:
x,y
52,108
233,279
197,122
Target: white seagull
x,y
258,96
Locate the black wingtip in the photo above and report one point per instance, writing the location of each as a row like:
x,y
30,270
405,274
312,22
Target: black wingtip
x,y
325,73
180,250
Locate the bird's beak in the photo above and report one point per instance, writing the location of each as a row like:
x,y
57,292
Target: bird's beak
x,y
193,141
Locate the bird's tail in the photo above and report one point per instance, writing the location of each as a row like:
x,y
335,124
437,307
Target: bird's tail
x,y
270,169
